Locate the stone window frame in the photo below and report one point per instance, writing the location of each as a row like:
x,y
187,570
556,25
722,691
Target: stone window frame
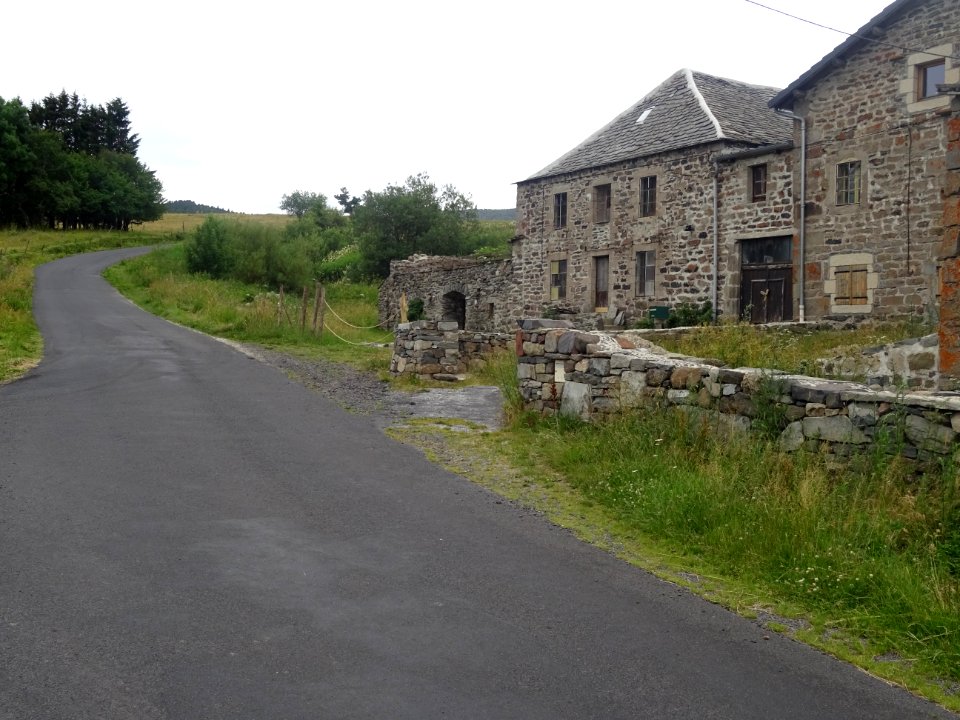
x,y
649,202
592,279
602,201
650,292
548,276
832,183
850,262
910,85
560,209
759,177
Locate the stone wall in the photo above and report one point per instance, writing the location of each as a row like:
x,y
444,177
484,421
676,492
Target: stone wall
x,y
441,351
681,232
910,364
949,331
485,286
864,109
562,370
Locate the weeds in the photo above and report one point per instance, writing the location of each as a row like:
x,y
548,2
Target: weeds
x,y
872,550
792,349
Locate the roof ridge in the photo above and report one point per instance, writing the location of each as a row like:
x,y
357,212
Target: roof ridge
x,y
692,87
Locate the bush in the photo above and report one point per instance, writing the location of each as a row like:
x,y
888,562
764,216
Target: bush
x,y
688,314
415,310
208,249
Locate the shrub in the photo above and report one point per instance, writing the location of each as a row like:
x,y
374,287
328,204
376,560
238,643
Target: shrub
x,y
415,310
208,249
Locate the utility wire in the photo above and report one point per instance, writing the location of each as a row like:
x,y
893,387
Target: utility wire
x,y
860,37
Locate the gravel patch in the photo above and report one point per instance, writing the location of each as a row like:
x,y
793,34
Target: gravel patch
x,y
366,394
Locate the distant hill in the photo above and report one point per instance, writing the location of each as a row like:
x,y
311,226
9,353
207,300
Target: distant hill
x,y
189,206
507,214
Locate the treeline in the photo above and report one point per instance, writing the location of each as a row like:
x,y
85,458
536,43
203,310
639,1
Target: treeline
x,y
67,164
190,207
356,240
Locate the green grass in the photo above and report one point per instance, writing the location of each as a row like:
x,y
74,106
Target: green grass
x,y
160,283
870,555
794,349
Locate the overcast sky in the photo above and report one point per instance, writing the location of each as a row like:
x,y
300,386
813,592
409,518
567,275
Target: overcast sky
x,y
240,103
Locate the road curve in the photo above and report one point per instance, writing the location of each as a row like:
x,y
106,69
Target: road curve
x,y
186,533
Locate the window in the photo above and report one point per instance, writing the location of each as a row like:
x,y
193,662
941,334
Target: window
x,y
851,285
601,280
560,210
601,203
928,77
848,183
558,279
648,196
758,182
646,272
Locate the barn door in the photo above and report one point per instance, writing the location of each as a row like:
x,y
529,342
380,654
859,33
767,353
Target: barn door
x,y
766,280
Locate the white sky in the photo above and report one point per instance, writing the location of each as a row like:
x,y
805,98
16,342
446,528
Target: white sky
x,y
240,103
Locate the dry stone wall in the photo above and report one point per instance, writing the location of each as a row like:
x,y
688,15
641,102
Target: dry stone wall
x,y
566,371
440,350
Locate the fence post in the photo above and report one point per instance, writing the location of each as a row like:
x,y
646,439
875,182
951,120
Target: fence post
x,y
323,308
280,307
316,306
303,310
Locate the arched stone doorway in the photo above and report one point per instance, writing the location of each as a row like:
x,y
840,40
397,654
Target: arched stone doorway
x,y
455,308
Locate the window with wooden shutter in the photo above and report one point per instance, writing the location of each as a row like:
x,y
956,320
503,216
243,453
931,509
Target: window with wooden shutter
x,y
851,287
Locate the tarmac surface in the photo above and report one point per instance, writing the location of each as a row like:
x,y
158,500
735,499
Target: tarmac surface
x,y
187,533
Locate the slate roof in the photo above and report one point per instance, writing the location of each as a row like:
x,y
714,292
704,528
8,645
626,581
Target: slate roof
x,y
785,98
688,109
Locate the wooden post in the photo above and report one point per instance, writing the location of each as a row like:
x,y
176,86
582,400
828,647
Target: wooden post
x,y
323,308
316,307
303,310
280,308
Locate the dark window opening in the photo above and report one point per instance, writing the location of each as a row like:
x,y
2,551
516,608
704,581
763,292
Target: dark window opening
x,y
601,282
455,308
929,76
648,196
558,279
646,272
602,202
560,210
848,183
758,182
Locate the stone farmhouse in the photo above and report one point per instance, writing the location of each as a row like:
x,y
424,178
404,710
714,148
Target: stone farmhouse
x,y
829,199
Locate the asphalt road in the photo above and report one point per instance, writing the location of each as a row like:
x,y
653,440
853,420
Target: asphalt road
x,y
186,533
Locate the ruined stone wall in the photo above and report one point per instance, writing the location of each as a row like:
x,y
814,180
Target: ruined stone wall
x,y
562,370
487,287
440,350
681,232
865,109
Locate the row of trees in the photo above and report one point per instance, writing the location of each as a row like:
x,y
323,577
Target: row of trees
x,y
355,241
64,163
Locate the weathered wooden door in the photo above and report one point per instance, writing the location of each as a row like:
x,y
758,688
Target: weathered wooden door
x,y
766,280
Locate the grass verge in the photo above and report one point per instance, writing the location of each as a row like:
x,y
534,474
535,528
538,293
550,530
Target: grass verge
x,y
160,283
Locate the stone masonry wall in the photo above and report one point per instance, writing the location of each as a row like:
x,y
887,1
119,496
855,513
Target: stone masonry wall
x,y
562,370
487,287
681,232
440,351
865,110
949,331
